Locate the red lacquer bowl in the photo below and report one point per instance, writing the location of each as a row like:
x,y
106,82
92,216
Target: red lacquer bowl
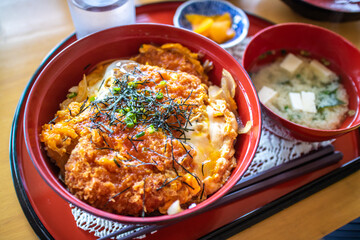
x,y
67,68
321,43
326,10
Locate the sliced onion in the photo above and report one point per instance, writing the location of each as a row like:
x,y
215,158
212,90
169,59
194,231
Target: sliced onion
x,y
228,83
174,208
245,129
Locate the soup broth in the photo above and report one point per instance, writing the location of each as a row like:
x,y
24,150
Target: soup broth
x,y
301,89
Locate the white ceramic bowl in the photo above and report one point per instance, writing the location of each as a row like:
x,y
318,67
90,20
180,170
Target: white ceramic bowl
x,y
213,7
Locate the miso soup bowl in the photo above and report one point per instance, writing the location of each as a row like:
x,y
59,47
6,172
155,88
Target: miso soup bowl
x,y
344,59
67,68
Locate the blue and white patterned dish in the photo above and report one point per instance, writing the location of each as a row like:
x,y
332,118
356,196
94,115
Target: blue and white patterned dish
x,y
214,7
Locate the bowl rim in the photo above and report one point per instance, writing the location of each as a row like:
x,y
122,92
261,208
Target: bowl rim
x,y
318,133
53,181
229,43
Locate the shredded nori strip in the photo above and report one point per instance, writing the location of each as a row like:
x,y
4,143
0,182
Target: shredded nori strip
x,y
132,104
166,182
52,121
141,162
188,185
143,203
116,196
105,148
159,154
202,191
116,162
202,168
132,143
69,111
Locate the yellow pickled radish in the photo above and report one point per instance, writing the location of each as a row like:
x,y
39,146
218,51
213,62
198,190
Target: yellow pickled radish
x,y
195,19
219,31
204,26
217,27
223,17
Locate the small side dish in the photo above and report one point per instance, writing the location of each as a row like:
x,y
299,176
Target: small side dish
x,y
216,27
220,21
146,136
303,90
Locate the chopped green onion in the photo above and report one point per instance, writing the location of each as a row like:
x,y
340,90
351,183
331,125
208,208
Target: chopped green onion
x,y
130,125
262,56
162,83
325,62
151,129
130,119
72,95
116,162
351,113
140,134
116,89
131,115
132,84
287,82
92,99
121,111
159,95
305,53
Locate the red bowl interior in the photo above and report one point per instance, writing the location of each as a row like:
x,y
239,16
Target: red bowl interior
x,y
321,43
67,68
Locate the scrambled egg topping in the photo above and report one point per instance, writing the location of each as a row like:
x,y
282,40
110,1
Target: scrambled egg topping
x,y
145,137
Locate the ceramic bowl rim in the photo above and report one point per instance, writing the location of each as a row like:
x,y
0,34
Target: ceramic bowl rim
x,y
241,12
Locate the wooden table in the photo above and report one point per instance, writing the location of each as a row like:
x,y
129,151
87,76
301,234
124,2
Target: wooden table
x,y
30,29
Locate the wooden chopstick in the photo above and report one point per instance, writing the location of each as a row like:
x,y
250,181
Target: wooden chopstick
x,y
276,206
313,161
312,156
279,178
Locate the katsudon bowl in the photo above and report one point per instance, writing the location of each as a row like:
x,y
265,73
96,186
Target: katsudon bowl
x,y
67,69
329,54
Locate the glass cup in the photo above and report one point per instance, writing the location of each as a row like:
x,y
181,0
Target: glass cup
x,y
91,16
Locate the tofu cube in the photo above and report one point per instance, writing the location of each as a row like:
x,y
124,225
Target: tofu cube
x,y
308,101
296,101
324,74
266,93
291,63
